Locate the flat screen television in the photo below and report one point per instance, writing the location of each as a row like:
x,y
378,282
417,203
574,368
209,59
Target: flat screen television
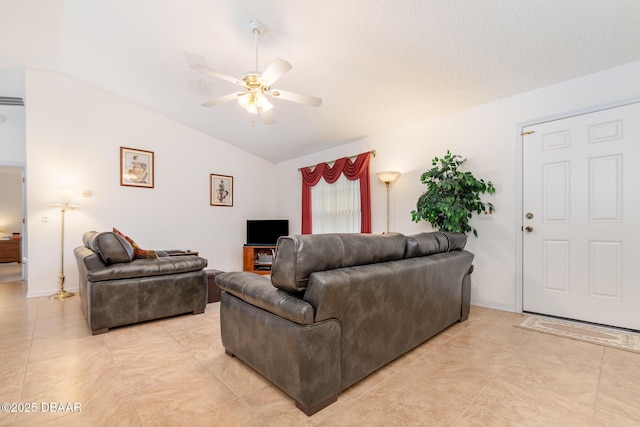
x,y
266,231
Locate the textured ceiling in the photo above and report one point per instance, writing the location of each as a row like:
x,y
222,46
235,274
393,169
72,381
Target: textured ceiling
x,y
376,64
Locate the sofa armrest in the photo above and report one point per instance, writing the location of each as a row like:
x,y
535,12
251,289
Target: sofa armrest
x,y
258,291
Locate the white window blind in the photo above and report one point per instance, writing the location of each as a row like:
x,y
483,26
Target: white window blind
x,y
336,207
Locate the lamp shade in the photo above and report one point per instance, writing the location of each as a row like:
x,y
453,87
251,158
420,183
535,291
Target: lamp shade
x,y
388,176
253,101
248,103
66,198
262,102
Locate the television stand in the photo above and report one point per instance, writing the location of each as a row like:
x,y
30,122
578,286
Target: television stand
x,y
257,259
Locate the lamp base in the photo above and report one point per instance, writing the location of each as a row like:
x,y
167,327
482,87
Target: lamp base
x,y
61,294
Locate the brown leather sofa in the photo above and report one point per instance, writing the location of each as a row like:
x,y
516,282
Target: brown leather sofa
x,y
340,306
116,289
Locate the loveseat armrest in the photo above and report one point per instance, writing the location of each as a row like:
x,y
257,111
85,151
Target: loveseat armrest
x,y
258,291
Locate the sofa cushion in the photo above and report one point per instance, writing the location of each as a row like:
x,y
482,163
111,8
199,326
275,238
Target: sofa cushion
x,y
138,252
457,241
299,256
412,247
112,248
148,267
438,241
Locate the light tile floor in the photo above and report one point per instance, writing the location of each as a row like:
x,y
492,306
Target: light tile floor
x,y
482,372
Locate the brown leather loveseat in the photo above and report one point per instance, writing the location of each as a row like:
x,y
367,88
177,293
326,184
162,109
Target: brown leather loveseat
x,y
116,289
340,306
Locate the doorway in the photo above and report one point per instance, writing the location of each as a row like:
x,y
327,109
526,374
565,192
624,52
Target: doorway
x,y
12,241
580,210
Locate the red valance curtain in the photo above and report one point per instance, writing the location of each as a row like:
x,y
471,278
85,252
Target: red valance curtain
x,y
352,170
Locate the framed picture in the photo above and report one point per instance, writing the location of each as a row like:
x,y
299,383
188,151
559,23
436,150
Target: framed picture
x,y
136,167
221,190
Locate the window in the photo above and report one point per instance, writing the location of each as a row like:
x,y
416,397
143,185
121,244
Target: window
x,y
336,207
353,173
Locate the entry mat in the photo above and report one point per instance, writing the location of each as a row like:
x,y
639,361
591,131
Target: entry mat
x,y
609,337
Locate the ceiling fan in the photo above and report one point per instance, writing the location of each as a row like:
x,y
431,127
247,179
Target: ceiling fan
x,y
256,85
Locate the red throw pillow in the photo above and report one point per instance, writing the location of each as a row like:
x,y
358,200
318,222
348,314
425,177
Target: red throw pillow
x,y
138,252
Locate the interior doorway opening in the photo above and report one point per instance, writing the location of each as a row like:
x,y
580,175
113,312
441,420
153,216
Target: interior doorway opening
x,y
12,224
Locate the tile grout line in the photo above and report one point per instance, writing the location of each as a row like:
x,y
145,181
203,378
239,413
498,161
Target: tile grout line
x,y
238,397
124,386
26,361
496,375
595,399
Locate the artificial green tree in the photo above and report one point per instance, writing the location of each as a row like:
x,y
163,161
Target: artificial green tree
x,y
452,196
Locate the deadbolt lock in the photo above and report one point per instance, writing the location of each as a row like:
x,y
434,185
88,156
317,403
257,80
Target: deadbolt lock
x,y
529,215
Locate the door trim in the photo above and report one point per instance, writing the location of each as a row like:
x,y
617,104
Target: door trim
x,y
519,161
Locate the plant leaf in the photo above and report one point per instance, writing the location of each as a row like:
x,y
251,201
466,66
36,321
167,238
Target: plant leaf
x,y
452,196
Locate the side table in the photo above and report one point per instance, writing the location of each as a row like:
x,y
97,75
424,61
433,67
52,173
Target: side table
x,y
213,289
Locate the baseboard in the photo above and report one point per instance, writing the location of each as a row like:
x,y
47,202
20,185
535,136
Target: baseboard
x,y
485,304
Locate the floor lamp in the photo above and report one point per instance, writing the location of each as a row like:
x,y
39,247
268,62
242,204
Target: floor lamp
x,y
388,178
66,202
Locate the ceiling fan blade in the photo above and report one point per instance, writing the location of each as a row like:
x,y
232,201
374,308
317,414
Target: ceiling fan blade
x,y
222,99
217,74
296,97
274,71
268,118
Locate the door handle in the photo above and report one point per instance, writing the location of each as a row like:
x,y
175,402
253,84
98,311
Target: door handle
x,y
528,229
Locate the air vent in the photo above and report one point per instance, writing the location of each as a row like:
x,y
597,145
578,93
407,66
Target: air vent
x,y
8,100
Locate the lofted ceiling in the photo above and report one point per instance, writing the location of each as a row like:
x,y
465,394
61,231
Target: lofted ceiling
x,y
377,65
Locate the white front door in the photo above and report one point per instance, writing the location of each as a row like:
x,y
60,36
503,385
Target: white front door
x,y
581,225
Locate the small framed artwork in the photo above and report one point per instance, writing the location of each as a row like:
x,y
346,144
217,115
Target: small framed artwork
x,y
221,190
136,167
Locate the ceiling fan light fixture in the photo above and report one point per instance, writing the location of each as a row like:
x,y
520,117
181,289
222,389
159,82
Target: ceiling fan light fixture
x,y
258,84
262,102
247,102
254,101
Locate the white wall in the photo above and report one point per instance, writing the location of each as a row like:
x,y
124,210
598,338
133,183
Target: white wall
x,y
74,132
12,130
488,136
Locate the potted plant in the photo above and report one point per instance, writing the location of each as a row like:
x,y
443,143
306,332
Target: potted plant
x,y
452,196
